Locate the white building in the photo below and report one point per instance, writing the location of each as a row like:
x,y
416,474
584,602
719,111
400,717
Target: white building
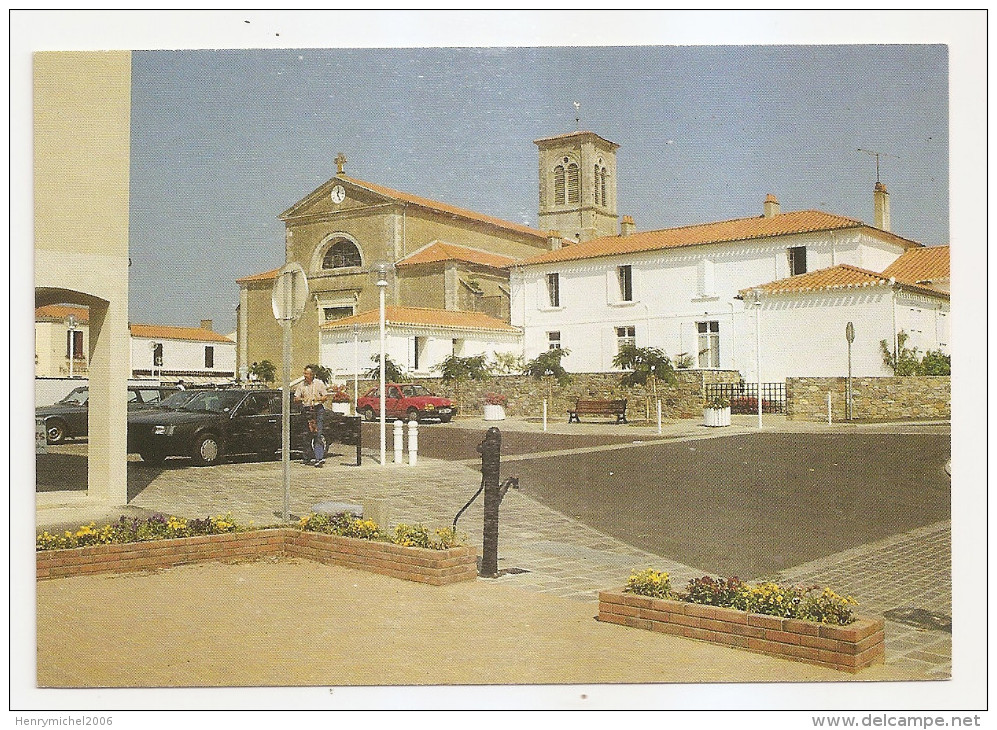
x,y
196,354
679,289
416,339
801,320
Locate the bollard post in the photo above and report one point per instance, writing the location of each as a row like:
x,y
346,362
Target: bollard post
x,y
490,450
399,446
545,415
659,417
413,442
829,408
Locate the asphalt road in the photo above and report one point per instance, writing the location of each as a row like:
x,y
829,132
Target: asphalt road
x,y
750,505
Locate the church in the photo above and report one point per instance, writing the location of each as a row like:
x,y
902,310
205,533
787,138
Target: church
x,y
708,295
448,290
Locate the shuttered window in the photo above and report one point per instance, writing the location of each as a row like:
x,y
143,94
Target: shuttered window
x,y
573,183
559,185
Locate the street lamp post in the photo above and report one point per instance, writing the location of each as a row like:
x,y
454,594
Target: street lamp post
x,y
71,329
356,365
382,284
756,295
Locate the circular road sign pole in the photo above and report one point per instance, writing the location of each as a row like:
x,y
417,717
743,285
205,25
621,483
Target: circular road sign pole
x,y
290,292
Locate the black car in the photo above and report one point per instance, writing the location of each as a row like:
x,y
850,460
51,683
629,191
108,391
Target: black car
x,y
68,418
216,423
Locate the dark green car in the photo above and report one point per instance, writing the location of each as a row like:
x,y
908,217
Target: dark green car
x,y
68,418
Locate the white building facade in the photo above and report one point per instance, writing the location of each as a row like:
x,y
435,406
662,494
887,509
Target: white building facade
x,y
679,289
188,353
416,339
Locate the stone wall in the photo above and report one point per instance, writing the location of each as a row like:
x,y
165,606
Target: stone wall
x,y
873,399
684,399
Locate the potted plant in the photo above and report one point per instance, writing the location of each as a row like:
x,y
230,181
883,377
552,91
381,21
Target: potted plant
x,y
495,406
339,400
716,412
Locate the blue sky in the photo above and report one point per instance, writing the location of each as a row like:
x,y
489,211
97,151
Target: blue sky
x,y
223,141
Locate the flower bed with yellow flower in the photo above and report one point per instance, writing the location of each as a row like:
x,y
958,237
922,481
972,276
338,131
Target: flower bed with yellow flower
x,y
348,525
156,527
810,603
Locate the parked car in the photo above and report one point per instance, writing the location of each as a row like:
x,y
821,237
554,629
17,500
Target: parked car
x,y
212,424
406,401
68,417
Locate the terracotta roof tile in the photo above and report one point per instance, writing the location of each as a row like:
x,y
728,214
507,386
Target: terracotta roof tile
x,y
176,333
920,264
418,316
739,229
440,251
424,203
266,275
842,276
61,311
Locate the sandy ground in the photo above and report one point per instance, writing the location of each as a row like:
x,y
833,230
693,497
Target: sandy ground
x,y
284,623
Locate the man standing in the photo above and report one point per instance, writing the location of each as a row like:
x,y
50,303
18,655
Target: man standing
x,y
312,393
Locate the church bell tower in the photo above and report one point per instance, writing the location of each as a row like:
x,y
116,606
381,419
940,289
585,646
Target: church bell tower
x,y
578,186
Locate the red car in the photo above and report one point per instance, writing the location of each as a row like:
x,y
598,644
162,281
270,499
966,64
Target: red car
x,y
405,401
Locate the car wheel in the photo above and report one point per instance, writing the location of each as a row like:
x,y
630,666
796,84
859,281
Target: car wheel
x,y
55,432
412,414
207,450
368,413
153,457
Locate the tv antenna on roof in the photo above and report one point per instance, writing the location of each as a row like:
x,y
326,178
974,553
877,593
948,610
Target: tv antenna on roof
x,y
578,119
877,155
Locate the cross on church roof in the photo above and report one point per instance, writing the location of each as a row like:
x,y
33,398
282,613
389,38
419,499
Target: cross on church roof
x,y
340,163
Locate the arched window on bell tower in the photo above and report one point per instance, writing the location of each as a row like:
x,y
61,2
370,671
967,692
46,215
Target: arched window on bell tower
x,y
573,183
559,185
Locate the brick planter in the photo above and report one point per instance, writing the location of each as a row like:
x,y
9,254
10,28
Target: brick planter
x,y
846,648
436,567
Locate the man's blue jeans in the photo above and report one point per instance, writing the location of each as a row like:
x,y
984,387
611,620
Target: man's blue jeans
x,y
315,442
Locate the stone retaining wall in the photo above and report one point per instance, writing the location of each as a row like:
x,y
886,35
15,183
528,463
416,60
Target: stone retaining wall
x,y
436,567
846,648
873,399
684,399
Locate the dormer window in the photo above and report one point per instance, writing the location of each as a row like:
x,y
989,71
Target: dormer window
x,y
342,254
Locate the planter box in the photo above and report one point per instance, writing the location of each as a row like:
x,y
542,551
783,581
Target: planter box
x,y
715,417
436,567
846,648
494,413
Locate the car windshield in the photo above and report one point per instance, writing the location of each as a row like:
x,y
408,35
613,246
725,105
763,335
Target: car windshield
x,y
77,397
177,400
415,391
214,401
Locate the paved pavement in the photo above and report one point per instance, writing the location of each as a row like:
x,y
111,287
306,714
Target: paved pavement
x,y
546,552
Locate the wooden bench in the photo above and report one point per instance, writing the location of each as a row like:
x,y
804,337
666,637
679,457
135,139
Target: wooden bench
x,y
616,408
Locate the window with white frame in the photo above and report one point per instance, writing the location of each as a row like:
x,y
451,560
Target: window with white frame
x,y
419,352
554,340
626,336
332,313
209,356
625,276
709,344
706,278
554,290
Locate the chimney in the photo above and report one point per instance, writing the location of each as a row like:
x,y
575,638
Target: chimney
x,y
554,240
881,204
206,325
627,226
771,208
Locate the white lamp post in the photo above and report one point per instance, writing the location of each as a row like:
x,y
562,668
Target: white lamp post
x,y
71,329
356,366
382,284
756,295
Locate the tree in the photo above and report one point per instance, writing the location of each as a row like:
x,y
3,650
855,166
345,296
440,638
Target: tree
x,y
907,361
392,372
644,365
547,367
321,373
506,363
936,362
264,370
456,370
